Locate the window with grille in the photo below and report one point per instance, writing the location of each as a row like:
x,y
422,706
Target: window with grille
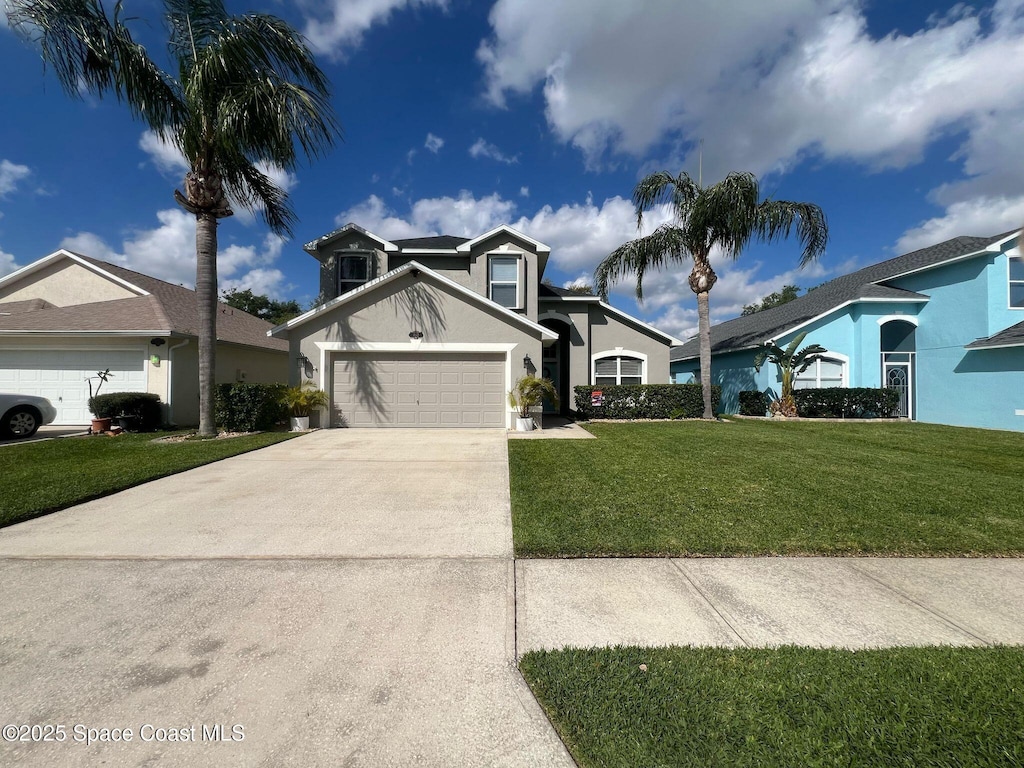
x,y
1016,268
618,370
823,372
504,281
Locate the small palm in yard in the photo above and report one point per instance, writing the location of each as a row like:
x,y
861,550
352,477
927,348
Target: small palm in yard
x,y
303,400
724,216
247,91
530,392
791,364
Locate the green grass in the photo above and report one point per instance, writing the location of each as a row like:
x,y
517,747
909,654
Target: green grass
x,y
757,488
45,476
784,707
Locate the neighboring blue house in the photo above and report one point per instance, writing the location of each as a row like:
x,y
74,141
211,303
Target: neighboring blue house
x,y
944,324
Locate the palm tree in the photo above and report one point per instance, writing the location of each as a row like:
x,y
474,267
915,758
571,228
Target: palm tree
x,y
247,91
726,215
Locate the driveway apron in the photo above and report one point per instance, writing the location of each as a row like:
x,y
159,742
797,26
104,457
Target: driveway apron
x,y
344,598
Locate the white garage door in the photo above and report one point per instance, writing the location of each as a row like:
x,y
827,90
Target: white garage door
x,y
59,376
402,390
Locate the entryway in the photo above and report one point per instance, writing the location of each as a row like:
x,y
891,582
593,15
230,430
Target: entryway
x,y
898,347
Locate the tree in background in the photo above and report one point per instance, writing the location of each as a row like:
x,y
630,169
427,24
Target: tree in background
x,y
777,299
245,90
726,215
265,308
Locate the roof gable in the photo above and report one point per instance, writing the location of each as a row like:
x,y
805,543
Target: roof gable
x,y
416,268
314,245
469,245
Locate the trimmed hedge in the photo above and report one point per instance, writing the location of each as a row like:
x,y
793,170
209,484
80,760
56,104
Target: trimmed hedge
x,y
842,403
646,401
143,406
753,403
245,407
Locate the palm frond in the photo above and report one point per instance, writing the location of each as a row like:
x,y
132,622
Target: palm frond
x,y
91,53
726,213
667,244
252,189
776,219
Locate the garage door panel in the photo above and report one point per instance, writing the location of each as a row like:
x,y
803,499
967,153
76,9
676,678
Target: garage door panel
x,y
444,390
60,376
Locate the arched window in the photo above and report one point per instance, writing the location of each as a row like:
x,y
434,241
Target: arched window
x,y
619,369
826,371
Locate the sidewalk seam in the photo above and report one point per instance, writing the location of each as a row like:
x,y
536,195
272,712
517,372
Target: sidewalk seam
x,y
926,608
707,600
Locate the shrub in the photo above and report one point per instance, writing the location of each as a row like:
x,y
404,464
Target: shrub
x,y
645,401
143,406
753,403
244,407
843,403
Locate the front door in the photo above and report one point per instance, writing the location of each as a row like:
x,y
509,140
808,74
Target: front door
x,y
898,375
551,369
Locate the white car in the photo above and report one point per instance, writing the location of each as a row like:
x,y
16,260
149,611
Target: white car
x,y
24,414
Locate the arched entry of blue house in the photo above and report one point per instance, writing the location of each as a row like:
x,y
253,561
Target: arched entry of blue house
x,y
555,365
898,351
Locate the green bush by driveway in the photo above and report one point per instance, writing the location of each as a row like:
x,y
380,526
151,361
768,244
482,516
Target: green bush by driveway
x,y
49,475
758,487
784,707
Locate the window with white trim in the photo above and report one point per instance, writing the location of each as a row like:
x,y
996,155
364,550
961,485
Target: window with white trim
x,y
1015,267
618,370
823,372
353,270
503,281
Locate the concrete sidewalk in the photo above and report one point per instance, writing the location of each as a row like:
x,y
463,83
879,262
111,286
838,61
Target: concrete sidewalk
x,y
823,602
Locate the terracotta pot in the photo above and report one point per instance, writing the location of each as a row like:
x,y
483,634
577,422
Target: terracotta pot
x,y
100,426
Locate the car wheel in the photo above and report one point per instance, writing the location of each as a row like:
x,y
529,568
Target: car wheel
x,y
21,422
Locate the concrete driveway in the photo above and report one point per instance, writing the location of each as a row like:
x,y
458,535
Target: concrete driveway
x,y
346,598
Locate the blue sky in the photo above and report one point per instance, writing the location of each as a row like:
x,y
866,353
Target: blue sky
x,y
902,120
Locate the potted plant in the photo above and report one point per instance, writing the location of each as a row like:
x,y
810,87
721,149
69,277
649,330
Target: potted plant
x,y
528,393
790,363
300,401
99,424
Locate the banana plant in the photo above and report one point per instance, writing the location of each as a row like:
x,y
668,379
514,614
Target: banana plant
x,y
790,363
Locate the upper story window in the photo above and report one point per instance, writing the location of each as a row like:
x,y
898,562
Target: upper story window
x,y
823,372
353,270
503,281
618,369
1016,269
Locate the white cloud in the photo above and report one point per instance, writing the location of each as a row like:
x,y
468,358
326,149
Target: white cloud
x,y
10,175
7,263
766,84
981,217
168,252
524,191
465,216
583,280
433,143
483,148
338,30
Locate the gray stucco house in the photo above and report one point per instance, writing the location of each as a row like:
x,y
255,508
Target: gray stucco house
x,y
434,331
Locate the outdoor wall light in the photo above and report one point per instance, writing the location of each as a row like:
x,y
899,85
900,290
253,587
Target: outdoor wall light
x,y
527,362
303,360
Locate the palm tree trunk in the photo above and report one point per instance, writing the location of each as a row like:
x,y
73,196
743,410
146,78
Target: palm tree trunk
x,y
206,298
704,337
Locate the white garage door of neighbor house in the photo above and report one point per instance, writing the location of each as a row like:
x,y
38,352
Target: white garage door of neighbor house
x,y
60,376
426,390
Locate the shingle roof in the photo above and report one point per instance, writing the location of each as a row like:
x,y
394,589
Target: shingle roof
x,y
17,307
754,330
551,291
169,308
441,242
1010,337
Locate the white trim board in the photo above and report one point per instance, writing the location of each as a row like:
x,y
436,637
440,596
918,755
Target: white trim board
x,y
467,246
395,274
61,253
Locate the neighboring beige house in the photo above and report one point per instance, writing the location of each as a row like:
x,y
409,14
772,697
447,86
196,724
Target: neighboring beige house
x,y
67,316
434,331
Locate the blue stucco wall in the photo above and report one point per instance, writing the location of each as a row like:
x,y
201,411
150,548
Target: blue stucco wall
x,y
967,300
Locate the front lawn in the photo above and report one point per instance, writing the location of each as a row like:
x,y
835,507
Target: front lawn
x,y
785,706
759,488
49,475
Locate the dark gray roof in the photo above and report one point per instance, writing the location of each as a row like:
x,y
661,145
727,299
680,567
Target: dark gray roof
x,y
754,330
551,291
1011,337
441,242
